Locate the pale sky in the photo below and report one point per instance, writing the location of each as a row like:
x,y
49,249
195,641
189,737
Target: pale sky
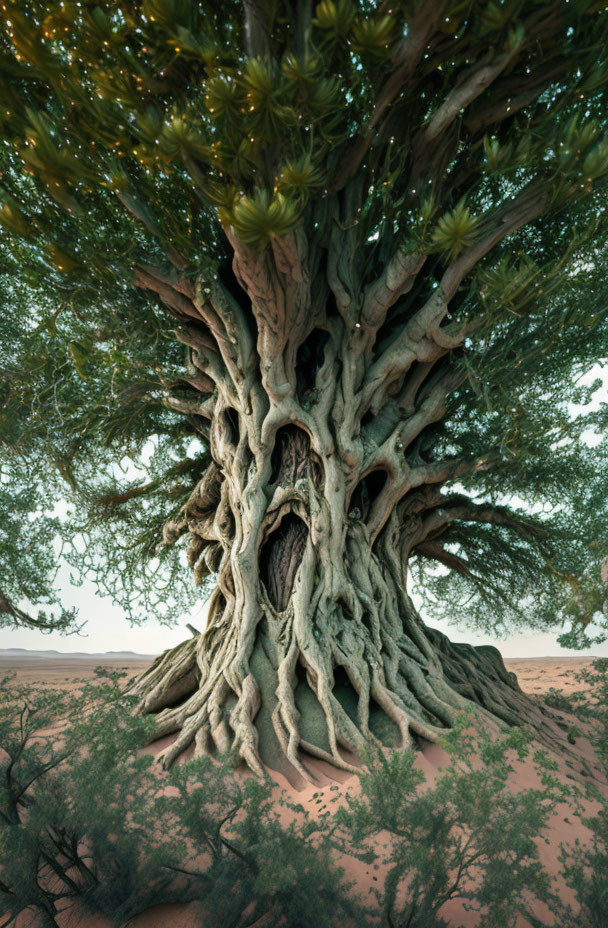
x,y
107,630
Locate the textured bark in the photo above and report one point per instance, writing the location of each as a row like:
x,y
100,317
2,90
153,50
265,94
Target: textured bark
x,y
315,499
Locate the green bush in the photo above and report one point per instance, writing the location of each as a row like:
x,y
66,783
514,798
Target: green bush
x,y
87,817
75,807
467,837
585,867
285,870
92,821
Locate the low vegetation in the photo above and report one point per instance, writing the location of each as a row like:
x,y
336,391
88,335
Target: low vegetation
x,y
85,821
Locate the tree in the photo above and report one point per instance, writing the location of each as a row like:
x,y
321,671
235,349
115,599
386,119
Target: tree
x,y
330,273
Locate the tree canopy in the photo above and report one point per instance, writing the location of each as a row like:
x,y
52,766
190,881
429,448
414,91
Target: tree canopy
x,y
448,150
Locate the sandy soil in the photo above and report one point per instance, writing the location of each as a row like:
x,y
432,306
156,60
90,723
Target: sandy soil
x,y
536,676
64,671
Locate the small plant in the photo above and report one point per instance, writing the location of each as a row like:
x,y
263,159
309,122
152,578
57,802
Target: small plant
x,y
575,703
585,867
468,837
89,822
573,734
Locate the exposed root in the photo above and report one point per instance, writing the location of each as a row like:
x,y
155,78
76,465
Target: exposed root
x,y
309,653
171,677
399,693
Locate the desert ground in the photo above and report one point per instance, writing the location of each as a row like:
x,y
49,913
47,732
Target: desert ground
x,y
537,676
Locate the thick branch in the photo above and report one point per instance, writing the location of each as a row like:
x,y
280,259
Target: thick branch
x,y
432,407
397,279
442,471
422,339
150,279
142,213
436,552
257,28
472,86
277,281
467,511
510,96
191,407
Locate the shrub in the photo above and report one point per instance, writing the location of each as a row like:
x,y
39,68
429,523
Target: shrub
x,y
283,872
75,810
585,867
91,821
467,837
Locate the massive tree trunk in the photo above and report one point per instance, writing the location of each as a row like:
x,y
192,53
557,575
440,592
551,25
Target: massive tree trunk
x,y
313,643
316,496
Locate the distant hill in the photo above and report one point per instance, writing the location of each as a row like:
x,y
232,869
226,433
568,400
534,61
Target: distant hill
x,y
26,654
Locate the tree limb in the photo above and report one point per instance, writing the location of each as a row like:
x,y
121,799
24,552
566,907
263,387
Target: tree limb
x,y
405,59
436,552
396,279
461,509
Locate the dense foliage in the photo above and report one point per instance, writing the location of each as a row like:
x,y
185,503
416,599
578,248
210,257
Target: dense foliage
x,y
135,134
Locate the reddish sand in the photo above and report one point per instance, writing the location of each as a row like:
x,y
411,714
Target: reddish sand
x,y
65,671
536,676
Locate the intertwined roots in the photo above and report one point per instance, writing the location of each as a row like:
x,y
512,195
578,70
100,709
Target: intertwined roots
x,y
326,688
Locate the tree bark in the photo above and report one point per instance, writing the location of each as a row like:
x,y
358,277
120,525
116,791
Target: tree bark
x,y
314,393
307,516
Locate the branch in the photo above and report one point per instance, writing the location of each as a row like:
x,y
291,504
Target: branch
x,y
422,339
21,618
277,281
544,24
118,499
257,28
178,294
473,85
406,397
143,215
149,278
431,408
505,220
437,552
506,100
191,407
225,346
228,322
414,343
302,27
206,357
392,452
396,279
200,382
460,508
405,59
192,337
441,471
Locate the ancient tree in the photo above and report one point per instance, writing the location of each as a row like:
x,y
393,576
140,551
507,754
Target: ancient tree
x,y
341,246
